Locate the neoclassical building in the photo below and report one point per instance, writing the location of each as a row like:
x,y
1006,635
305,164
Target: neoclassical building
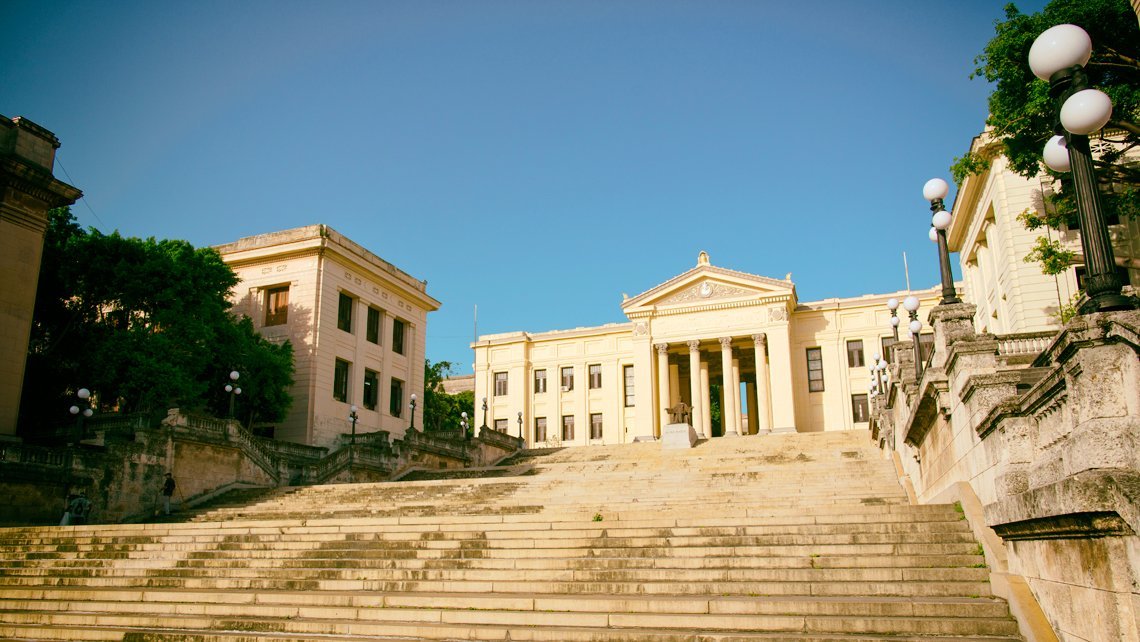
x,y
357,324
770,362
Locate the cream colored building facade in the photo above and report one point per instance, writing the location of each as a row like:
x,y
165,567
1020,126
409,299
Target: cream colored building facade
x,y
707,329
1014,296
356,322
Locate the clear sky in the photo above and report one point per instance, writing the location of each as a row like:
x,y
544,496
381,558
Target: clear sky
x,y
537,158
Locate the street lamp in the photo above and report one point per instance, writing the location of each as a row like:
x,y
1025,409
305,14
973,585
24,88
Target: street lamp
x,y
893,306
413,406
520,426
911,305
1059,55
353,416
484,413
81,410
934,191
463,424
352,444
233,389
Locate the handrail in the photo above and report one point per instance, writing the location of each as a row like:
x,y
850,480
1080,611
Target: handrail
x,y
1024,343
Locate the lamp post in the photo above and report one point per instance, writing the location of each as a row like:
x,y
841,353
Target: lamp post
x,y
352,444
934,191
484,413
413,406
911,305
233,389
463,424
1059,55
893,306
81,410
520,426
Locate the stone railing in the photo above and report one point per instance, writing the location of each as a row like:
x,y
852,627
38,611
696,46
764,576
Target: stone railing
x,y
225,430
1024,344
438,445
293,451
37,455
500,439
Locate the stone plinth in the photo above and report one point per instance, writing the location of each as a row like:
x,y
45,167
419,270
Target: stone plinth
x,y
678,436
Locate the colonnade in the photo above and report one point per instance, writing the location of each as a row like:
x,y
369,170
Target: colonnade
x,y
757,387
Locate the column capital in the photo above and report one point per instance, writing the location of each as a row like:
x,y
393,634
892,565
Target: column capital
x,y
725,342
760,338
662,348
694,345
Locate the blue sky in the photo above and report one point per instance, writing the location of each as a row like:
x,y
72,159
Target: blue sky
x,y
537,158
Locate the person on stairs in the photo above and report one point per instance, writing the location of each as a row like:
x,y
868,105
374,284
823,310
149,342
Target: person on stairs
x,y
167,492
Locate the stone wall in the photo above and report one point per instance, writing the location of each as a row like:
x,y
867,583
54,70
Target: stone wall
x,y
1051,447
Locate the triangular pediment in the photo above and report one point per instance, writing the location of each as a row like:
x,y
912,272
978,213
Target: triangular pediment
x,y
708,284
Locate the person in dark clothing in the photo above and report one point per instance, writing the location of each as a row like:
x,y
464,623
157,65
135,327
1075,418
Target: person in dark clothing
x,y
79,508
167,492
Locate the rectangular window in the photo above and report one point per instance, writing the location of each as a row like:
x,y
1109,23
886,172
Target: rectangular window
x,y
859,410
595,425
277,305
344,312
501,425
627,372
340,381
595,376
567,427
372,328
540,428
567,378
396,398
371,389
397,336
888,344
855,353
500,384
539,381
815,369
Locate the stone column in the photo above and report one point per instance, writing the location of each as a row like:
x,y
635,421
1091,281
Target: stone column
x,y
738,416
696,391
753,419
663,401
728,410
763,389
706,401
674,383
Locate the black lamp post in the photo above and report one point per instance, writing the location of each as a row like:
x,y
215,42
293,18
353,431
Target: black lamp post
x,y
81,410
463,424
413,406
233,389
893,306
520,426
911,305
934,191
352,443
484,413
1059,55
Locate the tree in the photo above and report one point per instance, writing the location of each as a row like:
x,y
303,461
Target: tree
x,y
443,410
144,324
1022,114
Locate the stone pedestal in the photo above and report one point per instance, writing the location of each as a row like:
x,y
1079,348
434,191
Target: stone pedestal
x,y
678,436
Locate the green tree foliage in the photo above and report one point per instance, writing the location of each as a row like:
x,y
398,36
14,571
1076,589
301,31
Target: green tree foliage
x,y
145,325
442,410
1023,114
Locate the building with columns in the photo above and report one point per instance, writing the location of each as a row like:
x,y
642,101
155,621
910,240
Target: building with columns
x,y
356,322
708,335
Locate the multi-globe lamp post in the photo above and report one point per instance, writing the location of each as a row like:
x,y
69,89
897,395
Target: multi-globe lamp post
x,y
82,410
233,389
484,413
413,406
1059,56
520,426
352,416
463,423
910,304
934,191
893,306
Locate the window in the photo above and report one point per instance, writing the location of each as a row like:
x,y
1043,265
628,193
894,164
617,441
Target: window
x,y
859,409
372,328
277,305
815,369
501,425
396,398
888,344
340,381
371,389
627,373
595,376
567,378
500,384
344,313
539,381
397,336
855,353
540,428
595,425
567,427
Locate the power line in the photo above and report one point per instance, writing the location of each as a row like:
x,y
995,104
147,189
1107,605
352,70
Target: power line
x,y
84,197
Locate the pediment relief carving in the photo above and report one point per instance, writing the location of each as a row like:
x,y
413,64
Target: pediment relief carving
x,y
706,291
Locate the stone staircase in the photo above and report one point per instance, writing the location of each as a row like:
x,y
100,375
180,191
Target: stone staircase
x,y
774,538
